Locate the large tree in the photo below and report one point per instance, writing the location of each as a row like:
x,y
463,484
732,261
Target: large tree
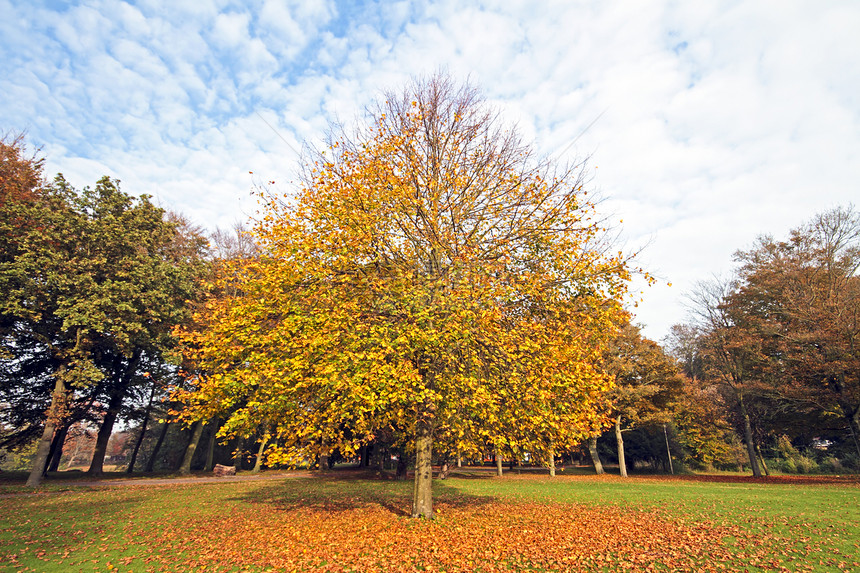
x,y
431,278
93,285
801,299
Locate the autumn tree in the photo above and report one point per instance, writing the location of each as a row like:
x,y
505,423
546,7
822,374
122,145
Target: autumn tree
x,y
801,299
646,382
732,355
430,277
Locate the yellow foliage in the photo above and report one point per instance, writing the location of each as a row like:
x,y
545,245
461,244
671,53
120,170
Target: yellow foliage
x,y
430,272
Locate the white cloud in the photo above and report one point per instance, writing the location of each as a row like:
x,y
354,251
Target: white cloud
x,y
722,120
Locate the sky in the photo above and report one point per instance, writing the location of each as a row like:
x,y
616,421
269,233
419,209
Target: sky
x,y
704,124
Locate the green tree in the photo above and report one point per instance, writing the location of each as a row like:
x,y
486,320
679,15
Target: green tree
x,y
94,286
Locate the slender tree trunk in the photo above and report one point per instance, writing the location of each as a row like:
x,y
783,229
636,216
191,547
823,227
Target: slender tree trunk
x,y
499,461
854,425
622,464
105,431
422,499
761,459
551,461
210,447
595,458
381,459
150,463
258,463
196,432
324,453
748,438
142,431
56,412
459,459
57,448
668,450
117,395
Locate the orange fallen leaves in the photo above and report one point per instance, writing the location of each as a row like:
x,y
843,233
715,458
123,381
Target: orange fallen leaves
x,y
488,537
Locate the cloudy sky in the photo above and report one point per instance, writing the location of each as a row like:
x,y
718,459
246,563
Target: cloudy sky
x,y
715,121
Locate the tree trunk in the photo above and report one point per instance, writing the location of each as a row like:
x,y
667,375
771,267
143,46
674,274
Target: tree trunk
x,y
551,462
748,438
422,499
258,463
105,431
143,424
324,453
622,464
150,463
210,448
197,431
238,455
56,412
380,460
595,458
57,448
117,395
854,425
761,459
499,461
668,450
459,460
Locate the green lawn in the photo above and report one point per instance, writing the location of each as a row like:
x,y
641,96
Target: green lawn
x,y
344,523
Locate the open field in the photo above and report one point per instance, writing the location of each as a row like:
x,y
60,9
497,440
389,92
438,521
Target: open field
x,y
344,522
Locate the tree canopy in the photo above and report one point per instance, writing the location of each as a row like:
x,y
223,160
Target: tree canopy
x,y
431,277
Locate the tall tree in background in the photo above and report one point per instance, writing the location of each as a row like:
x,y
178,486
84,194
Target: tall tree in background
x,y
732,354
802,299
432,278
646,382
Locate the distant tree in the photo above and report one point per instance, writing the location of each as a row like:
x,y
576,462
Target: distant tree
x,y
646,383
801,298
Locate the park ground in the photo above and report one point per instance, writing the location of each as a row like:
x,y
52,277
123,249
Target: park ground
x,y
355,521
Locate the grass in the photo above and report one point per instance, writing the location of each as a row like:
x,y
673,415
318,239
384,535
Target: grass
x,y
345,523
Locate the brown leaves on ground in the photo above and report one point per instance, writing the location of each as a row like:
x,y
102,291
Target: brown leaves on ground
x,y
468,537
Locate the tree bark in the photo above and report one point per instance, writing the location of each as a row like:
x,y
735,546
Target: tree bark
x,y
422,499
196,432
258,463
761,459
668,450
499,461
143,425
854,425
595,458
324,453
551,462
56,413
150,463
57,448
459,460
105,431
117,395
748,438
210,448
622,464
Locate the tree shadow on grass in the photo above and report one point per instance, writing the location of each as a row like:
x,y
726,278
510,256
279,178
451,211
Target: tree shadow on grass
x,y
335,494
